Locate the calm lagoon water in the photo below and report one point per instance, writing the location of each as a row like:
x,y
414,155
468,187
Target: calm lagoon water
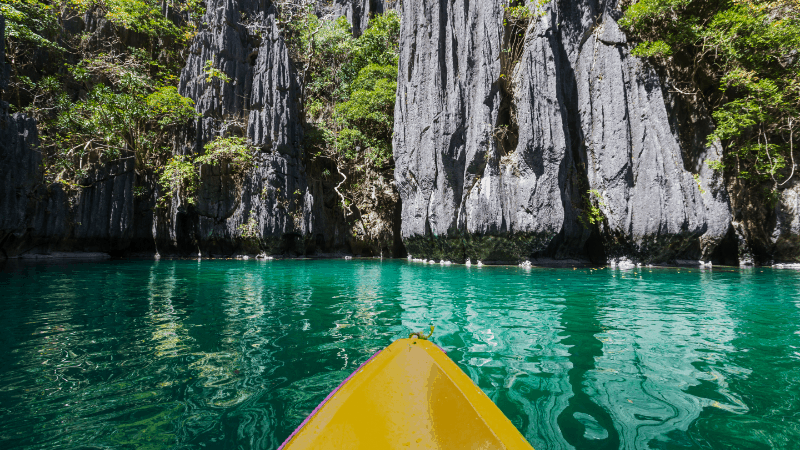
x,y
235,354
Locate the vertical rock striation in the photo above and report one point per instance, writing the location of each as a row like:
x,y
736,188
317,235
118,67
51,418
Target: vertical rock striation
x,y
593,130
269,203
96,215
463,194
659,204
359,12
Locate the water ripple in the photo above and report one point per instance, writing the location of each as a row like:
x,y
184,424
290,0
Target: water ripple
x,y
224,354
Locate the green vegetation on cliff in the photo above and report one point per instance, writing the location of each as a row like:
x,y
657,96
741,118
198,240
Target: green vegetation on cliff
x,y
349,86
103,90
100,78
742,59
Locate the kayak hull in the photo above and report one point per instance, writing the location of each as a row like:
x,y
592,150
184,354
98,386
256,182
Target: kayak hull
x,y
409,395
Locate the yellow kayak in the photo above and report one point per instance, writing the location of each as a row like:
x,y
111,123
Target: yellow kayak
x,y
409,395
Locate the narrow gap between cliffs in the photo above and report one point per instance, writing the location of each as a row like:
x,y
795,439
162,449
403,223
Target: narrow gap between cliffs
x,y
516,18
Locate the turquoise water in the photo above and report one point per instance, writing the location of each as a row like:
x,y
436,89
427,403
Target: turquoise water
x,y
235,354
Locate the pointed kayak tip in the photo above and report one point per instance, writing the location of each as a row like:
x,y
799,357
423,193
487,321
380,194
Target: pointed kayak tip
x,y
409,395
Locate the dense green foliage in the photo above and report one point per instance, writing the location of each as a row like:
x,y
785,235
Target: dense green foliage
x,y
349,86
31,22
741,58
134,118
350,83
100,95
178,177
232,149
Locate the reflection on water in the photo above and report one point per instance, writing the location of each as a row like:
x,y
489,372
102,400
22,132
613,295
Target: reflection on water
x,y
232,354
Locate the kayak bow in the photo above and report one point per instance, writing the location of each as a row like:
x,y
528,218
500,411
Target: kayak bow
x,y
409,395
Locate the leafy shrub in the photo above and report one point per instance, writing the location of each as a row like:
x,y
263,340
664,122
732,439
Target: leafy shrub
x,y
178,177
212,73
249,230
592,214
232,149
741,59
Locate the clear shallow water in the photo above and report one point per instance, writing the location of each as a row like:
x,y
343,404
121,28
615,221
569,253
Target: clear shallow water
x,y
235,354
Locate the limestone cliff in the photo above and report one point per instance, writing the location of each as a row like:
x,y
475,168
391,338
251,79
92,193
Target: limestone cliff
x,y
592,129
95,216
270,209
259,102
102,214
563,148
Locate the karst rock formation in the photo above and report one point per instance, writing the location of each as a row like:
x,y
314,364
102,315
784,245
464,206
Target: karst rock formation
x,y
548,143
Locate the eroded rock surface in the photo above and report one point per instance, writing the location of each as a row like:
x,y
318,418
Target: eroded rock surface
x,y
269,201
593,129
659,205
95,215
462,195
359,12
786,233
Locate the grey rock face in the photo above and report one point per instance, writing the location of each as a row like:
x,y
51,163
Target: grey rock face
x,y
490,165
19,172
590,118
40,218
446,109
463,195
785,238
270,202
653,205
767,233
